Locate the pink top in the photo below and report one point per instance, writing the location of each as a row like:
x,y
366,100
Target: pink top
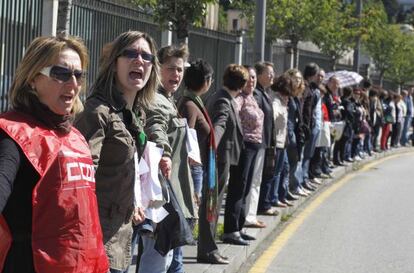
x,y
251,117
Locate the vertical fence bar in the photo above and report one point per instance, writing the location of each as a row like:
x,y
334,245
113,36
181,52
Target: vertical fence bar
x,y
20,23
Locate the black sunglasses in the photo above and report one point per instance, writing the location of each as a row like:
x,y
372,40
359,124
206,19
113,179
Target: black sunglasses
x,y
133,54
63,74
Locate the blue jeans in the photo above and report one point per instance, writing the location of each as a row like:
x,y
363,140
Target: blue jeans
x,y
152,261
284,179
177,261
295,167
308,152
280,159
406,126
197,175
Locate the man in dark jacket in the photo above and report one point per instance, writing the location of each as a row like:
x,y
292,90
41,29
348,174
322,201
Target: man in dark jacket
x,y
265,77
312,118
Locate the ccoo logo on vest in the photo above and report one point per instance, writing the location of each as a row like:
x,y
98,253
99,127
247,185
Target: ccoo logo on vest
x,y
76,171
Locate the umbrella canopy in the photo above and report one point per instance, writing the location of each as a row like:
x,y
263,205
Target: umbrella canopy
x,y
345,77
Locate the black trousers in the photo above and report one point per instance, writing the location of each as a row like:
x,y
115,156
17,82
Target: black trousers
x,y
239,187
395,134
339,150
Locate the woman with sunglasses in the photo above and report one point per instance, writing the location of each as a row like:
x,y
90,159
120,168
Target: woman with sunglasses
x,y
47,184
112,123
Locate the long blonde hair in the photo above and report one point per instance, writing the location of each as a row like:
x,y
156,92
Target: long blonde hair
x,y
106,78
43,52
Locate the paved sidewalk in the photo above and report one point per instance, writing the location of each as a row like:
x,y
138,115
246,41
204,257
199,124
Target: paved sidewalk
x,y
238,255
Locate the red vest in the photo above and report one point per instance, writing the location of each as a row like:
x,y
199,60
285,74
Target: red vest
x,y
66,233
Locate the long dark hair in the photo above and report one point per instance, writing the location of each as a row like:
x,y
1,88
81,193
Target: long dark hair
x,y
106,78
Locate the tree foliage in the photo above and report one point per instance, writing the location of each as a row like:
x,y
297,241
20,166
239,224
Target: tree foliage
x,y
391,8
401,68
180,13
295,20
335,35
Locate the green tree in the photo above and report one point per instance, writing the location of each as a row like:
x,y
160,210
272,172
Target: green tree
x,y
401,68
382,48
391,7
304,20
177,15
335,35
285,19
295,20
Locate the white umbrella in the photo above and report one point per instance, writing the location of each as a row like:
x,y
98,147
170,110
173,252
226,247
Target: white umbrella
x,y
345,77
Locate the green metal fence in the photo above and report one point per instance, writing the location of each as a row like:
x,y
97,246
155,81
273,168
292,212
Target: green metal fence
x,y
20,22
217,48
99,22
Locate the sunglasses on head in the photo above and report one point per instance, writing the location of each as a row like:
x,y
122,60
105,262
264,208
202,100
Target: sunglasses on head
x,y
133,54
63,74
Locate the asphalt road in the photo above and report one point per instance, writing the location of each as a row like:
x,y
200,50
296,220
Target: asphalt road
x,y
365,226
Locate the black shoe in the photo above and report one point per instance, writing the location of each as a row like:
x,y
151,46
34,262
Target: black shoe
x,y
212,258
247,237
234,240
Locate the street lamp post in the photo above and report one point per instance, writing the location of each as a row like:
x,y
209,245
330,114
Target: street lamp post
x,y
260,26
357,49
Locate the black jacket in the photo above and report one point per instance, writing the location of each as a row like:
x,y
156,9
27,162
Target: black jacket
x,y
228,132
310,100
265,103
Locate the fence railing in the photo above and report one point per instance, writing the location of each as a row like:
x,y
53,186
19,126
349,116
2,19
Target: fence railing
x,y
217,48
99,22
20,23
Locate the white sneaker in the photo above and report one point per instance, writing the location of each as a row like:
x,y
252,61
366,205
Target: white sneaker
x,y
302,192
316,181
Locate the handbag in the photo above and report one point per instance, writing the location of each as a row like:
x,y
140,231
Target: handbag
x,y
173,231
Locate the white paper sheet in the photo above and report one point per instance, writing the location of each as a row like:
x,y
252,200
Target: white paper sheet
x,y
148,192
192,145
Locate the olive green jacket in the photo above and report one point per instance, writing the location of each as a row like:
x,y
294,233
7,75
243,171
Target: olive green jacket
x,y
111,131
168,131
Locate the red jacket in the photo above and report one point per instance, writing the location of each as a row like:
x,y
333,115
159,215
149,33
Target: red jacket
x,y
66,233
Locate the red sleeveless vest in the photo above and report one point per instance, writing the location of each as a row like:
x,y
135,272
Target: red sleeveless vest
x,y
66,233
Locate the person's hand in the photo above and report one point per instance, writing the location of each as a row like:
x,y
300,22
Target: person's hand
x,y
197,199
165,166
139,216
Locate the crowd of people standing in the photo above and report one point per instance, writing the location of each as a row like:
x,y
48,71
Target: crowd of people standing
x,y
137,163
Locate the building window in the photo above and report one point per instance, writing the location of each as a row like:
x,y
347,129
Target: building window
x,y
235,24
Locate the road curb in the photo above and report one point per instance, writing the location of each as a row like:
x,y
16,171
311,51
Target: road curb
x,y
238,255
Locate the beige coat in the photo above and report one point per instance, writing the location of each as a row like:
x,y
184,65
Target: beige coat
x,y
280,115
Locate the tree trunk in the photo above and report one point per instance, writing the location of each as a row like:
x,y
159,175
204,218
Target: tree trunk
x,y
381,78
182,26
63,21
